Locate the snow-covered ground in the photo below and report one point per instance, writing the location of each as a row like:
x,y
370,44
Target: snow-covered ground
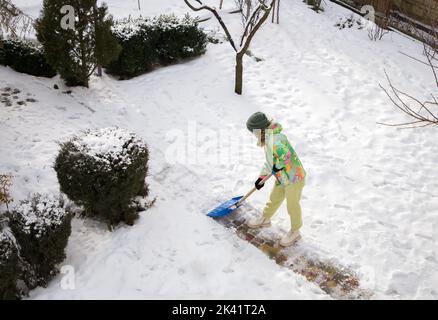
x,y
370,202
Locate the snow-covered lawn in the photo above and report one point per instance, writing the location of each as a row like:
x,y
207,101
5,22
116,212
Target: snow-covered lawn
x,y
370,201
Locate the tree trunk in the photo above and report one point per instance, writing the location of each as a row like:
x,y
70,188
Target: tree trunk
x,y
239,74
273,12
248,8
99,67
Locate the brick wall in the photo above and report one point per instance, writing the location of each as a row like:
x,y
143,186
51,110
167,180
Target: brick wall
x,y
425,11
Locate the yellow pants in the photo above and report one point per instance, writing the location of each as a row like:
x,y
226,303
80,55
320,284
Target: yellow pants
x,y
292,193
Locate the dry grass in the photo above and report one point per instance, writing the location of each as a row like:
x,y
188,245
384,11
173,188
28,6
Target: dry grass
x,y
5,184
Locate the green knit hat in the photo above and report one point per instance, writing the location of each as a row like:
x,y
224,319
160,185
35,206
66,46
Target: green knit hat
x,y
258,121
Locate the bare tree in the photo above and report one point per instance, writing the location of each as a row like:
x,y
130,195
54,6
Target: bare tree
x,y
245,7
377,32
13,21
422,113
259,15
276,12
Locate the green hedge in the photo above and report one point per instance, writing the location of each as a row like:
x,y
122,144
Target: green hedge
x,y
104,170
41,226
9,269
148,42
26,57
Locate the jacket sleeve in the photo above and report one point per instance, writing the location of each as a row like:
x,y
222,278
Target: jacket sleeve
x,y
280,155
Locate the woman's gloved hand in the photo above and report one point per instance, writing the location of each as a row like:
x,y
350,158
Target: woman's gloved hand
x,y
257,185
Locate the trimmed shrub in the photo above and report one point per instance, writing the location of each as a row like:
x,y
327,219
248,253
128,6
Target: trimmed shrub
x,y
177,39
162,40
25,57
103,170
41,225
9,270
138,53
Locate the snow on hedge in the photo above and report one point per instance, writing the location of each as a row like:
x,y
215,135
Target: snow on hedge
x,y
111,146
127,28
40,214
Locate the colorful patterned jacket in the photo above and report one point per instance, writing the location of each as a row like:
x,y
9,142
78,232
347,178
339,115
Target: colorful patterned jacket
x,y
278,151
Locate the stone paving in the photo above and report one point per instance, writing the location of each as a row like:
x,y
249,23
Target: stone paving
x,y
13,96
337,281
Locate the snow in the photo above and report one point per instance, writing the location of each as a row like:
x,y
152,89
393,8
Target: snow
x,y
40,214
126,28
110,146
370,200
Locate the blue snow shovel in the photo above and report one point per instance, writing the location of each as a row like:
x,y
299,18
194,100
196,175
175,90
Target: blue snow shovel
x,y
227,207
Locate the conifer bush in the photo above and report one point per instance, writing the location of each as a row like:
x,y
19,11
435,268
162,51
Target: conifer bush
x,y
41,226
77,49
9,269
148,42
25,57
103,171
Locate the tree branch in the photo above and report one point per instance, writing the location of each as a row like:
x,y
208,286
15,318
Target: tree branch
x,y
400,103
218,17
13,20
247,41
250,23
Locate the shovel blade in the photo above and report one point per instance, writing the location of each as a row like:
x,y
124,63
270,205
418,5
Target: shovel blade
x,y
225,208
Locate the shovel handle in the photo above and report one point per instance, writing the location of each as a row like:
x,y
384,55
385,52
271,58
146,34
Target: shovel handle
x,y
252,190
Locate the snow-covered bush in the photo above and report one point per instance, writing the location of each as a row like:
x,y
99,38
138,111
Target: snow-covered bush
x,y
178,39
41,226
162,40
9,270
26,57
104,170
138,53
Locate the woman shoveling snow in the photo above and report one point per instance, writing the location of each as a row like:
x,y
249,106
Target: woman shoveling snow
x,y
283,162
